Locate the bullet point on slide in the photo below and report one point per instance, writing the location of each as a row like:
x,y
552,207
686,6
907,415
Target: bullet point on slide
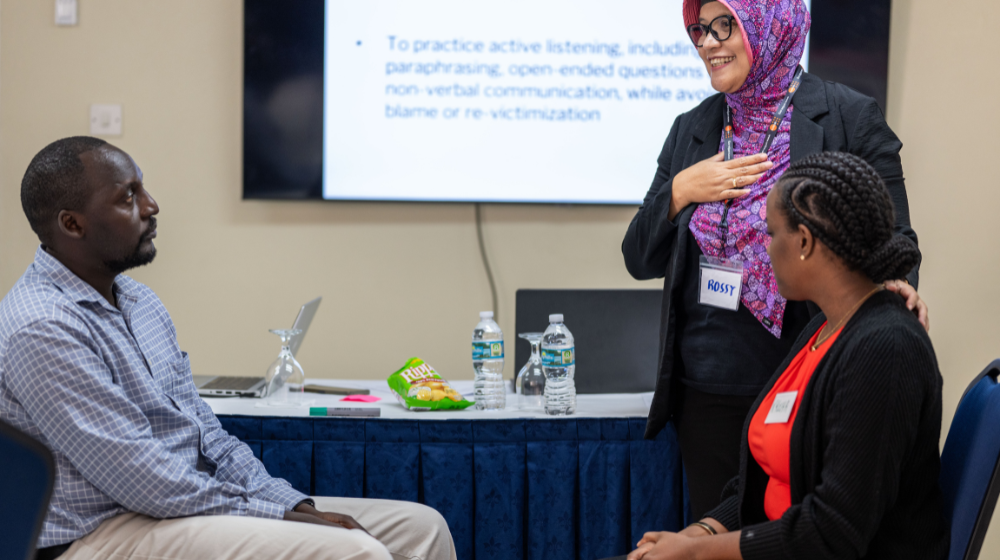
x,y
359,43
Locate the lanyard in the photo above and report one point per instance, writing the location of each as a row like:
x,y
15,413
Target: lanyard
x,y
729,145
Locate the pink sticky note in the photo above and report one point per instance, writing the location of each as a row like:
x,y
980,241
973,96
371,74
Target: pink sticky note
x,y
361,398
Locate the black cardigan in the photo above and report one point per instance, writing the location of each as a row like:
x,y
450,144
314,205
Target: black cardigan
x,y
826,117
863,450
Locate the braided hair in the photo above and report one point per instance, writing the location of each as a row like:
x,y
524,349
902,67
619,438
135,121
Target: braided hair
x,y
843,201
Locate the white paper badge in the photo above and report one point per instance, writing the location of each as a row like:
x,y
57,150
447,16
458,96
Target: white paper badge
x,y
781,410
721,283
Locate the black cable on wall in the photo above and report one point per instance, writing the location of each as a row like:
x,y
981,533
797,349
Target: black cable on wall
x,y
486,260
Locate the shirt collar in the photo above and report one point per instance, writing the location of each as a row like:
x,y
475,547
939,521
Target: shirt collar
x,y
73,286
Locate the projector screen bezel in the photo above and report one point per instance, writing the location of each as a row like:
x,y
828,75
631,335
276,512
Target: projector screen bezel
x,y
284,47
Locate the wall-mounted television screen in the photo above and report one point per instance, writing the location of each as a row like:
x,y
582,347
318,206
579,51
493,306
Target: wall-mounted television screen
x,y
519,101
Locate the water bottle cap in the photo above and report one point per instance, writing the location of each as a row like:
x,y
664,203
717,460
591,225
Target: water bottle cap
x,y
556,318
485,314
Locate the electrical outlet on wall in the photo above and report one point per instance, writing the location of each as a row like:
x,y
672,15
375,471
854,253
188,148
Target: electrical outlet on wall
x,y
66,12
106,120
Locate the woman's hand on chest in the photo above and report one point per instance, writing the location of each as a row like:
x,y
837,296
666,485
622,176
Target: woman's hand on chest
x,y
715,179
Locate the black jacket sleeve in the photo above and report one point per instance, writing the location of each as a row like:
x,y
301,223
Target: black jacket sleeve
x,y
876,143
728,512
871,418
650,237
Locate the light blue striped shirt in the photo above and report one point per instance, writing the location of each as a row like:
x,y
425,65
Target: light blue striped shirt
x,y
109,391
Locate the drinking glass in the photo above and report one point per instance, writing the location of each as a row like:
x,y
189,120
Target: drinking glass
x,y
530,384
285,379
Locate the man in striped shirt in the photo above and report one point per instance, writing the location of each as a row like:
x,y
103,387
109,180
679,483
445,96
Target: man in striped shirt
x,y
90,366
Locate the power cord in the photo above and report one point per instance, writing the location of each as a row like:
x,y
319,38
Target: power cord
x,y
486,260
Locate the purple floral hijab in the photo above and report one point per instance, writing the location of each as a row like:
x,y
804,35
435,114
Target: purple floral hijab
x,y
774,34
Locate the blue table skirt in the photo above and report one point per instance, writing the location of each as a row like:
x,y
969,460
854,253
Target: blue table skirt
x,y
585,488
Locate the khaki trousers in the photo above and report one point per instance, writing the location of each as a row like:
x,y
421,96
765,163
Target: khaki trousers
x,y
400,530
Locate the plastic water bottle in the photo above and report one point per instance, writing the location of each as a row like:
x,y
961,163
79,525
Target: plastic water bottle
x,y
559,365
487,361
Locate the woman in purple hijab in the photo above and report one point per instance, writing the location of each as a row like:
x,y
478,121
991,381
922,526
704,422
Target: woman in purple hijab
x,y
702,226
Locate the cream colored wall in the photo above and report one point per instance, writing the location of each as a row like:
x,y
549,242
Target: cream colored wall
x,y
397,280
228,270
943,105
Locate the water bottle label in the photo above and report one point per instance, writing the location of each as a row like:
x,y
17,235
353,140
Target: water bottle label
x,y
555,357
487,350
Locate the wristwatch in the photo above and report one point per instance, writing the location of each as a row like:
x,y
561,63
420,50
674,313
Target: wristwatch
x,y
305,501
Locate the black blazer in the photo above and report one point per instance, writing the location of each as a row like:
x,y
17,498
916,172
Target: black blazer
x,y
863,450
826,117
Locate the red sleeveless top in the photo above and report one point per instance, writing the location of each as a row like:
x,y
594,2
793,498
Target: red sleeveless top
x,y
769,443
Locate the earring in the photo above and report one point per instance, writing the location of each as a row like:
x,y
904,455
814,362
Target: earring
x,y
802,257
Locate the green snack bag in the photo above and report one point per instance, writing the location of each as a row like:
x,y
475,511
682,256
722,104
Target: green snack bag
x,y
418,387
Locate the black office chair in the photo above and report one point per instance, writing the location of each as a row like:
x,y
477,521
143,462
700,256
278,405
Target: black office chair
x,y
970,465
617,335
27,475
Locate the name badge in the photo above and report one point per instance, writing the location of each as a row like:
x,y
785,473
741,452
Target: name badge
x,y
781,410
720,283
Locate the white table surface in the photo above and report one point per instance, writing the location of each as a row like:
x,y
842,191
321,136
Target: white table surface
x,y
618,405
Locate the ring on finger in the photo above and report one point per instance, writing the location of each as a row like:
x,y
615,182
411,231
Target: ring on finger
x,y
736,182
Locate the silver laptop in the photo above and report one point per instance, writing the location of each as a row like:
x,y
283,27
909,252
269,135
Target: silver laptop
x,y
218,386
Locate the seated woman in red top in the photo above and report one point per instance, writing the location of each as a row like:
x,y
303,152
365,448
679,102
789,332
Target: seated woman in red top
x,y
839,456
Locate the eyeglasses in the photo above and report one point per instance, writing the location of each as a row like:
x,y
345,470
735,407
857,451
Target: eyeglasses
x,y
721,28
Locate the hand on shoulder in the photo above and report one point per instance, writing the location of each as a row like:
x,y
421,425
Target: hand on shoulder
x,y
913,300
